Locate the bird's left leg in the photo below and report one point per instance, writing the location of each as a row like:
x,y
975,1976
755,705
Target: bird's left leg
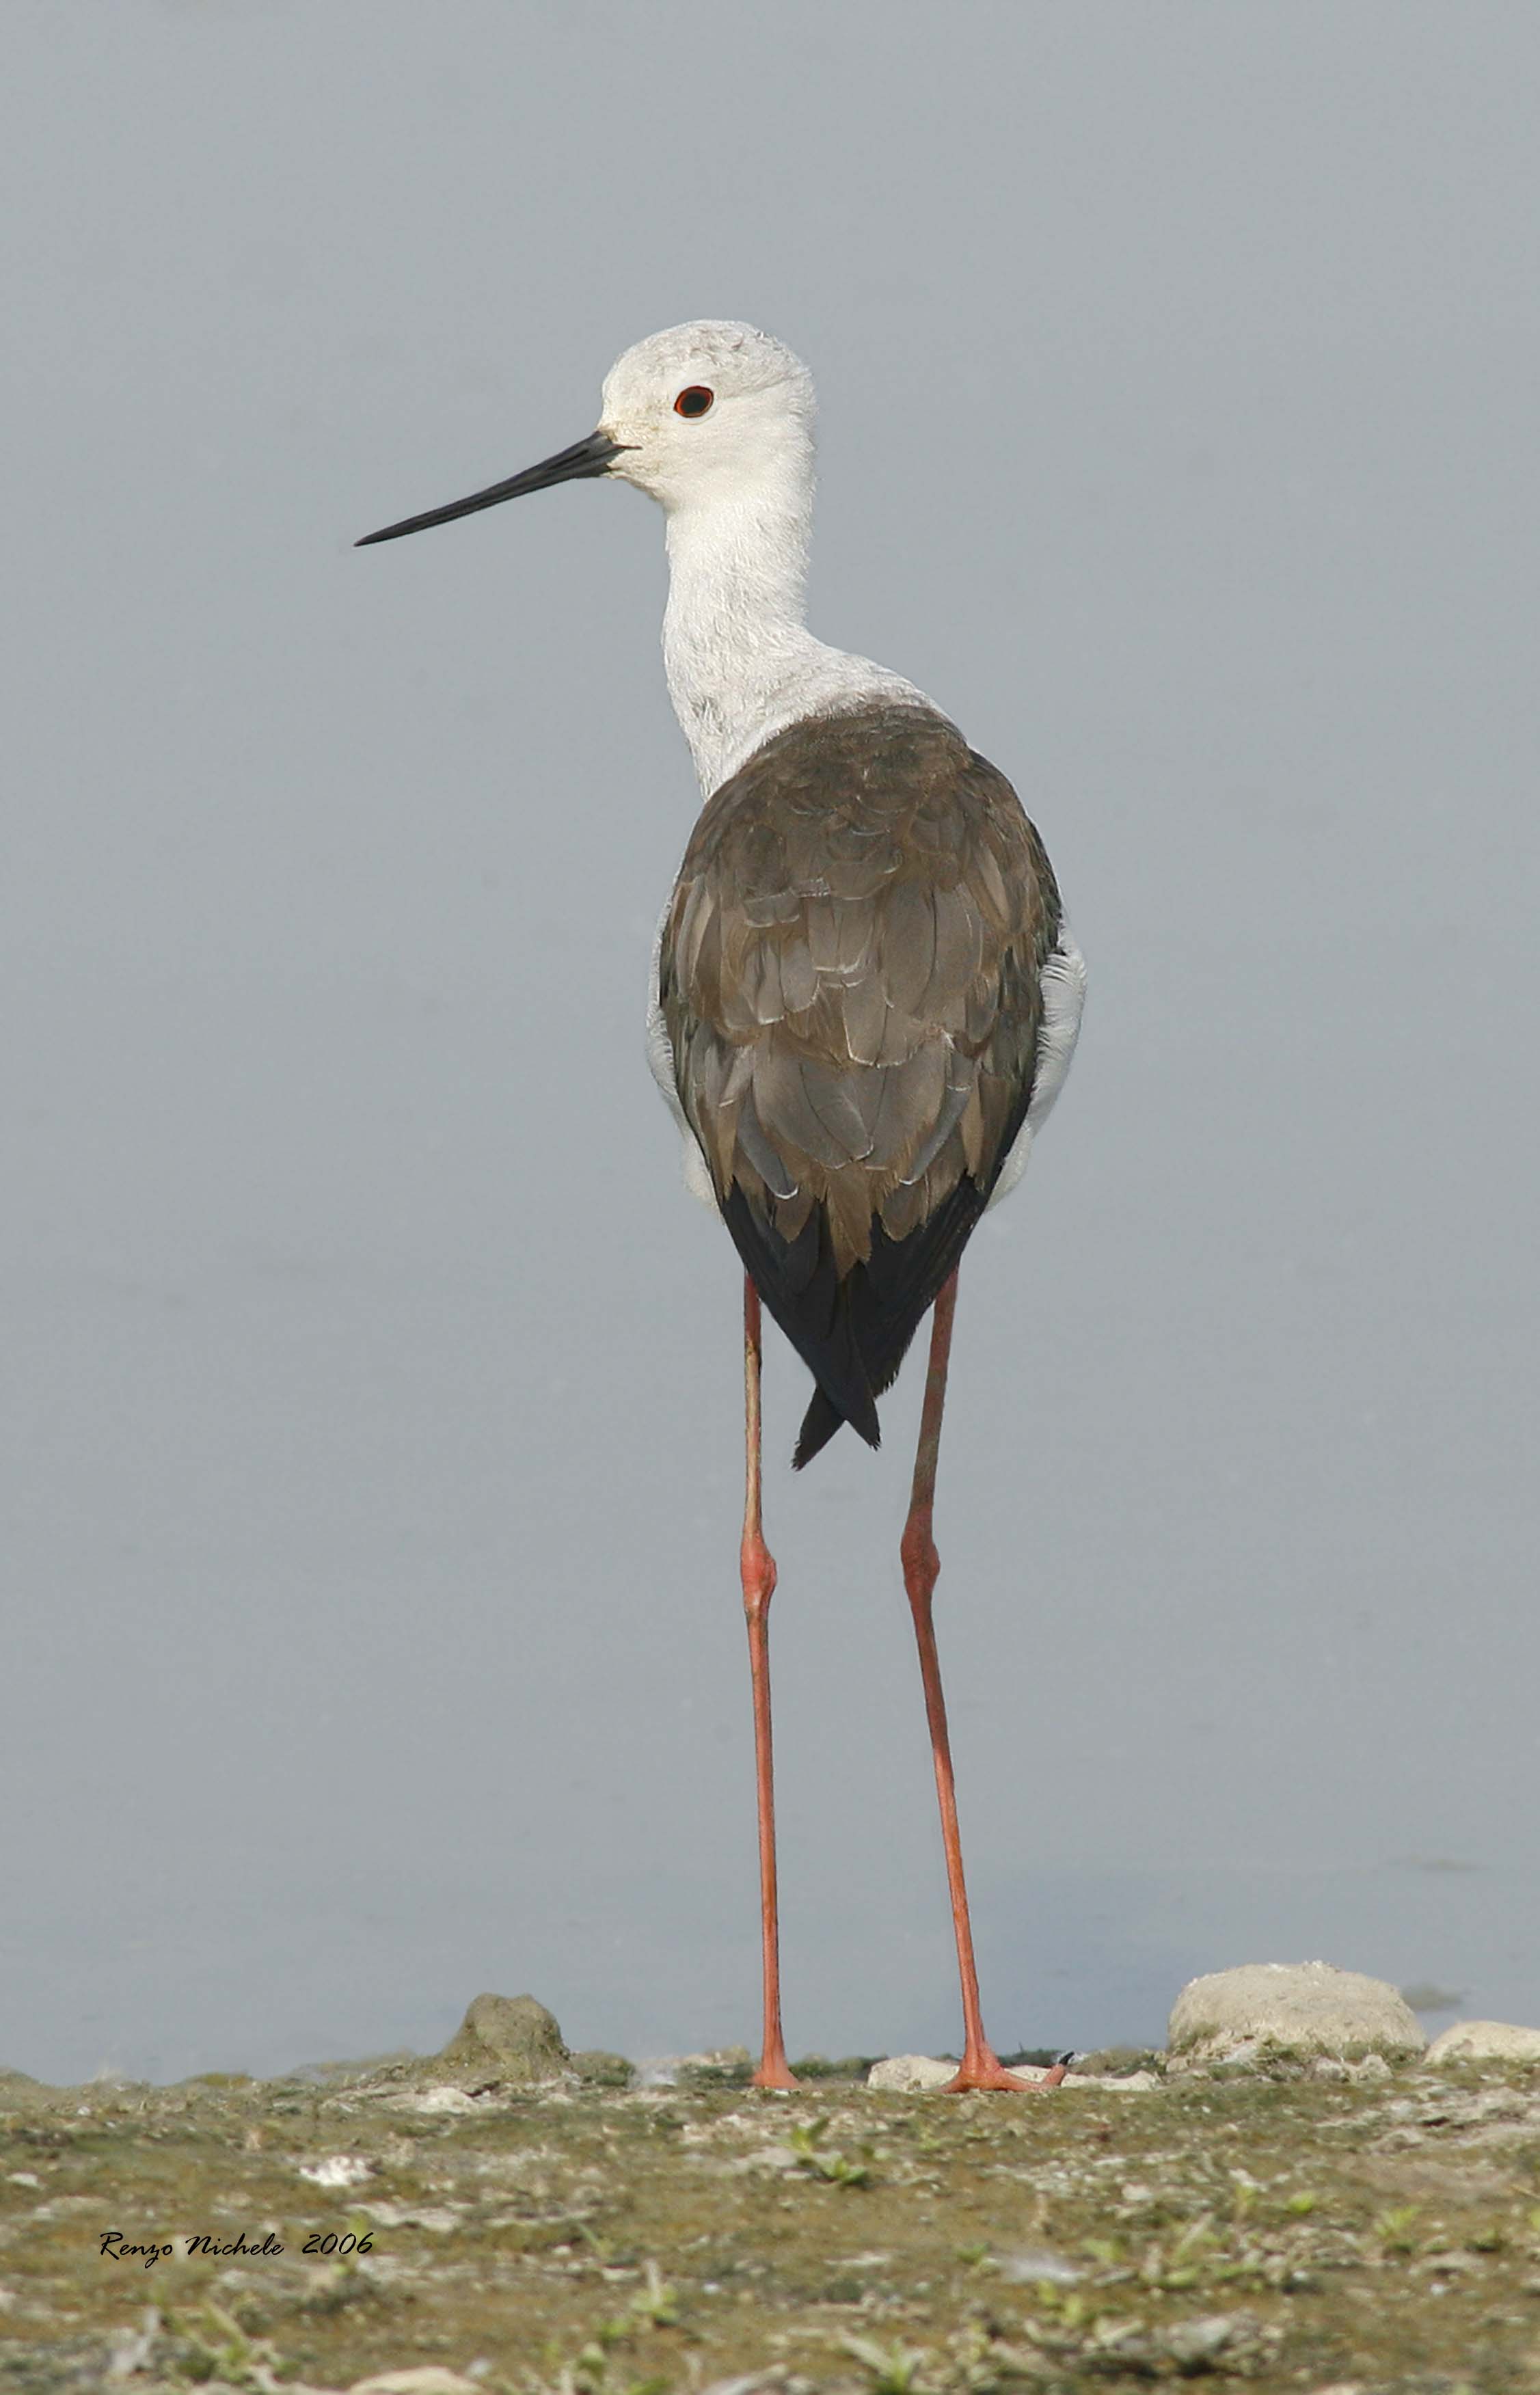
x,y
981,2066
757,1569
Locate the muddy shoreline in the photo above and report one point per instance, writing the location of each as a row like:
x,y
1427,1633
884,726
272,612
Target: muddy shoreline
x,y
604,2238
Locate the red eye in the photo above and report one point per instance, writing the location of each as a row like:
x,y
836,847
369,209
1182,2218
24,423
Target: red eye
x,y
694,401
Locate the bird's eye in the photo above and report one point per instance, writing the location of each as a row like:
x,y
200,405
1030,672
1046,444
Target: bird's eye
x,y
694,401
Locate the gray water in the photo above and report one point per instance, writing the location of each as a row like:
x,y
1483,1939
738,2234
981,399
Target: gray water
x,y
284,1974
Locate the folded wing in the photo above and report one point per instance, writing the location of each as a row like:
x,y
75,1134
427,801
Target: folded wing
x,y
850,976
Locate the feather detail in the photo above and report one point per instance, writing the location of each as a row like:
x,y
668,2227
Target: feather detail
x,y
851,977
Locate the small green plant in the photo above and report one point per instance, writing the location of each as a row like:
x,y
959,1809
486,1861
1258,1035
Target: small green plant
x,y
894,2368
655,2304
1394,2229
974,2357
591,2370
1188,2259
1069,2307
1300,2203
821,2163
590,2373
219,2347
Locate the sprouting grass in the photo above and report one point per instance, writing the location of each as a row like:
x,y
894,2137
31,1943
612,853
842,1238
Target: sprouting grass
x,y
822,2161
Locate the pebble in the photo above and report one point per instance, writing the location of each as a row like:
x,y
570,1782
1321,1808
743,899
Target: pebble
x,y
926,2074
1038,2264
910,2074
432,2099
1195,2345
1262,2011
339,2170
1485,2042
430,2379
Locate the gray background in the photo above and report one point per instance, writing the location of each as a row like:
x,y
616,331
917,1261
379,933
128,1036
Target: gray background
x,y
370,1450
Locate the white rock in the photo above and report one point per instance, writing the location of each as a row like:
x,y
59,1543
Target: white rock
x,y
441,2218
430,2379
339,2170
911,2074
433,2099
923,2075
1485,2042
1036,2264
1299,2009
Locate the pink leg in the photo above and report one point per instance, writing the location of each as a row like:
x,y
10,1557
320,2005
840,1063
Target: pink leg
x,y
981,2066
758,1569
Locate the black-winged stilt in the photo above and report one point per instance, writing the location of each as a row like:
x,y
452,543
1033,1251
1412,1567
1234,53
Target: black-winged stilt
x,y
865,992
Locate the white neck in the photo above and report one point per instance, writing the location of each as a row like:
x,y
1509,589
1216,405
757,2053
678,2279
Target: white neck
x,y
740,660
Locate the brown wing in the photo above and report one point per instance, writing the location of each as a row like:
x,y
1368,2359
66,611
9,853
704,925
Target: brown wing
x,y
851,979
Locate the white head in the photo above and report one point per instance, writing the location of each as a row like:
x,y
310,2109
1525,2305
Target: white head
x,y
704,413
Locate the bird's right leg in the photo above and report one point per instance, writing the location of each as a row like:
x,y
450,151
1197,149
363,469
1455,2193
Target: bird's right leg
x,y
981,2066
757,1566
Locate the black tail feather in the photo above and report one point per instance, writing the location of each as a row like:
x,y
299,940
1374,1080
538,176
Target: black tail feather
x,y
820,1422
852,1333
798,1282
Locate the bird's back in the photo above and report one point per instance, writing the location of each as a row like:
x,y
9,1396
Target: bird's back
x,y
851,979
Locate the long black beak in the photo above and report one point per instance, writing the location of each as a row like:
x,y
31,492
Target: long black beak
x,y
584,457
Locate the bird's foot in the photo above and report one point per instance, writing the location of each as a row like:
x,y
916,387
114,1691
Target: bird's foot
x,y
775,2071
982,2072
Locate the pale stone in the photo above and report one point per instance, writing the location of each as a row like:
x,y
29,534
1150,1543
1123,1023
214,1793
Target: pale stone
x,y
1326,2066
923,2075
440,2218
1485,2042
1039,2263
339,2170
910,2074
1265,2011
1195,2344
430,2379
432,2099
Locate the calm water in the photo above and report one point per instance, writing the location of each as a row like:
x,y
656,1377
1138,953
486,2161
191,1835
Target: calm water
x,y
160,1989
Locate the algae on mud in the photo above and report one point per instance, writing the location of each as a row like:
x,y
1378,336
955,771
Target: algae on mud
x,y
1283,2231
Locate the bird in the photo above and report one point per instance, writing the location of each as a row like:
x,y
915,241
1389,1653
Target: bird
x,y
865,993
